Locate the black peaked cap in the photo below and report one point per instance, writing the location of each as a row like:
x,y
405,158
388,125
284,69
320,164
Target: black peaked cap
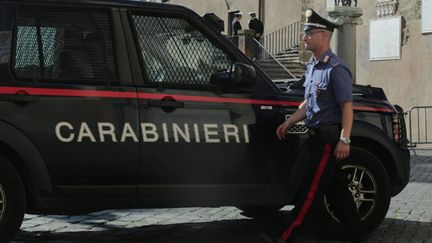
x,y
314,21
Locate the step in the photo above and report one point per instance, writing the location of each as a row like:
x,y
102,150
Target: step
x,y
282,72
283,75
289,53
286,56
277,66
272,61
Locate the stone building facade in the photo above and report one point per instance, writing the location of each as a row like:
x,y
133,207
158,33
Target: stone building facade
x,y
406,81
275,14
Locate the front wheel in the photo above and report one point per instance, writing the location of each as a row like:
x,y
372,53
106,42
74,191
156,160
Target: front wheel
x,y
370,187
12,201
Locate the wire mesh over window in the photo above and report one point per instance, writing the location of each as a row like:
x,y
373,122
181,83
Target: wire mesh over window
x,y
176,52
58,43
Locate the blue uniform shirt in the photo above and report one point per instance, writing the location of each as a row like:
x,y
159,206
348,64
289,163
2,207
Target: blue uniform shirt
x,y
328,82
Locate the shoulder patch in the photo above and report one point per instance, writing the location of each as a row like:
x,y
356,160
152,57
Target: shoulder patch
x,y
326,59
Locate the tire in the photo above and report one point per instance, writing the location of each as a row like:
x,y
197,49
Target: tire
x,y
372,194
12,201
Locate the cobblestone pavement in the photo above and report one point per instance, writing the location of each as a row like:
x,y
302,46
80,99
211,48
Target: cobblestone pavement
x,y
408,220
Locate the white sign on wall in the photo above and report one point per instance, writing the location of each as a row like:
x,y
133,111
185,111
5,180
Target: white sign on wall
x,y
330,3
426,16
385,38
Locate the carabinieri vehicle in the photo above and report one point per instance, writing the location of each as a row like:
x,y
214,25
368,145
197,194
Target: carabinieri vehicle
x,y
126,104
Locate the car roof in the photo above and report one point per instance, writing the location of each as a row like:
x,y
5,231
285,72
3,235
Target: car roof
x,y
114,3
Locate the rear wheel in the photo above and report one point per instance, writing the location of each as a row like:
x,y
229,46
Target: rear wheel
x,y
370,187
12,201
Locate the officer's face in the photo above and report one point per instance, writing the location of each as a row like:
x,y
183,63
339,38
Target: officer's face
x,y
313,38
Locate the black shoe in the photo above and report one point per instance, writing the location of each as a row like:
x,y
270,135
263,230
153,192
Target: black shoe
x,y
267,239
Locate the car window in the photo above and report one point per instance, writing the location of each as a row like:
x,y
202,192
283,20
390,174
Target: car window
x,y
6,13
175,52
5,44
56,43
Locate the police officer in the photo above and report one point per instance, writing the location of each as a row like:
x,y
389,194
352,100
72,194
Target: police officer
x,y
236,26
328,112
258,26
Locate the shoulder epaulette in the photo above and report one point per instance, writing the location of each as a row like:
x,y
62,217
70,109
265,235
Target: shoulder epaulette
x,y
334,62
326,59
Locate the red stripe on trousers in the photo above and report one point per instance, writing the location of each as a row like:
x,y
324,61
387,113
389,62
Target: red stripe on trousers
x,y
311,193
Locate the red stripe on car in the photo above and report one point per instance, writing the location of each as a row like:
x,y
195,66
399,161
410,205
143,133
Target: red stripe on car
x,y
142,95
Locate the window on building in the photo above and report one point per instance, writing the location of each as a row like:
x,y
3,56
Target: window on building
x,y
175,52
69,44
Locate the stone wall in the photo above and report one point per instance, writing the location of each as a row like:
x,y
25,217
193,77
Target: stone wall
x,y
220,8
281,13
407,81
278,13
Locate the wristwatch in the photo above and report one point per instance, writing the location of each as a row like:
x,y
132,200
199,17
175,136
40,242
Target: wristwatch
x,y
344,140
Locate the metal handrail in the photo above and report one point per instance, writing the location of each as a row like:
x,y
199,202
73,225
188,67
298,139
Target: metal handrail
x,y
283,38
263,49
267,57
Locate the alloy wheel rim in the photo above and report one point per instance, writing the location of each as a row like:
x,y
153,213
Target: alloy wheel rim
x,y
363,188
2,203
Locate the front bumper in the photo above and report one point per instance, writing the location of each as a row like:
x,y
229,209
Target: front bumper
x,y
403,166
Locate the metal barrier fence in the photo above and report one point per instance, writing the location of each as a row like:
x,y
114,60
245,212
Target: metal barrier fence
x,y
419,128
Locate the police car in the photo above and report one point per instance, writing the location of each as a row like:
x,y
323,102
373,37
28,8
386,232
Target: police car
x,y
126,104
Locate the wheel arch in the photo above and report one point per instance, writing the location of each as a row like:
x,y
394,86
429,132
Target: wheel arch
x,y
21,152
378,143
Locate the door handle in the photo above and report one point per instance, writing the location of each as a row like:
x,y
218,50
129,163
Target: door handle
x,y
165,104
21,97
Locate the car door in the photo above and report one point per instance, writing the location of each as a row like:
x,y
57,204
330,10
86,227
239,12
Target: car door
x,y
199,138
76,100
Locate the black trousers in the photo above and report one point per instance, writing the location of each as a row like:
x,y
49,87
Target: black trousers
x,y
324,175
256,48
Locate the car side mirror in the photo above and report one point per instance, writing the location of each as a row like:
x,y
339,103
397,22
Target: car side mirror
x,y
244,74
241,75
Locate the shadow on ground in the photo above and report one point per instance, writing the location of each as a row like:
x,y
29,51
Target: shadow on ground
x,y
224,231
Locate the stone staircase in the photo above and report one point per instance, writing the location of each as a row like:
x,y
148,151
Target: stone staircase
x,y
289,59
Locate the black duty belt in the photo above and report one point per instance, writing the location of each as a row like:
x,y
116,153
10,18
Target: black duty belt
x,y
329,131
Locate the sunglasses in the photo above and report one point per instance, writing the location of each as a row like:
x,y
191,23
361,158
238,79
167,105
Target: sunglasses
x,y
311,33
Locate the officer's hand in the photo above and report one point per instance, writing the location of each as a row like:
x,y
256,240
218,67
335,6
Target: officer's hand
x,y
341,151
281,130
